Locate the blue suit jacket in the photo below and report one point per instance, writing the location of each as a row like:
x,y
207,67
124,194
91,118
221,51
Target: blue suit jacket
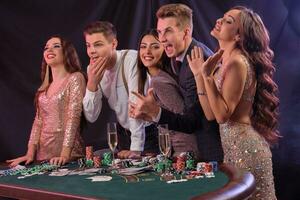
x,y
193,119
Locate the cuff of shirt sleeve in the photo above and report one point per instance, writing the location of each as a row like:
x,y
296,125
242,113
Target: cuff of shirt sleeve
x,y
157,118
137,144
90,94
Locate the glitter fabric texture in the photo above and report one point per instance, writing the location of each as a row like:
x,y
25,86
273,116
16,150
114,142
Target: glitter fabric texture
x,y
58,121
244,147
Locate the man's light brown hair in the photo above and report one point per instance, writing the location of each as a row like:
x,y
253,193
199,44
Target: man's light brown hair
x,y
104,27
182,13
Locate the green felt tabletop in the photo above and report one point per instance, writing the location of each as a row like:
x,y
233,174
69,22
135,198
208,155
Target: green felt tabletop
x,y
142,186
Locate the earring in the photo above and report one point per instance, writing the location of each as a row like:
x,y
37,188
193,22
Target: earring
x,y
46,80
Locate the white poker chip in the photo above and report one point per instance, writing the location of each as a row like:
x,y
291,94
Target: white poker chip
x,y
100,178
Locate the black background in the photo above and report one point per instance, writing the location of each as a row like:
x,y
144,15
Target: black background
x,y
26,25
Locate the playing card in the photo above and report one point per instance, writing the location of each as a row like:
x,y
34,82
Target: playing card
x,y
133,170
60,172
100,178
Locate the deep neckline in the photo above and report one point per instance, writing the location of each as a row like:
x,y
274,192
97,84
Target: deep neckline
x,y
59,87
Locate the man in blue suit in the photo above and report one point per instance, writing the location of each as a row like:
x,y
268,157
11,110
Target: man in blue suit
x,y
175,26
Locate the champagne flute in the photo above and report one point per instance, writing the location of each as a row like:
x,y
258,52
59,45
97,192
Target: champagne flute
x,y
112,139
164,143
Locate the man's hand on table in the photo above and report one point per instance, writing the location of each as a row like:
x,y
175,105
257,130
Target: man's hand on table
x,y
129,154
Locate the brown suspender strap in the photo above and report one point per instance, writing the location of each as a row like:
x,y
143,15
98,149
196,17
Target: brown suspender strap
x,y
123,72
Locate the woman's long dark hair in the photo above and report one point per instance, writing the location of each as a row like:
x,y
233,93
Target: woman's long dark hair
x,y
162,64
254,43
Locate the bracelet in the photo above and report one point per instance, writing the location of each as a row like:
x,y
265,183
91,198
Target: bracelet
x,y
201,93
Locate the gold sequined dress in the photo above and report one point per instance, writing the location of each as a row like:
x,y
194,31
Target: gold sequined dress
x,y
58,121
244,147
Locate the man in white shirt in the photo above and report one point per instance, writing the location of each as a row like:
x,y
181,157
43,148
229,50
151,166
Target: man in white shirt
x,y
113,74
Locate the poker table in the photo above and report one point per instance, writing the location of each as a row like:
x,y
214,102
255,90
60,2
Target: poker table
x,y
228,183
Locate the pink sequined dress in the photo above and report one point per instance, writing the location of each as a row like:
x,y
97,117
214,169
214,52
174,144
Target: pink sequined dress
x,y
58,121
243,146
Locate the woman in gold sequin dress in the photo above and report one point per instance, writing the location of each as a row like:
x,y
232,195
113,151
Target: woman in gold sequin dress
x,y
55,134
240,94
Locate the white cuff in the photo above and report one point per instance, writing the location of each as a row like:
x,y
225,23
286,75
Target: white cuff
x,y
91,95
137,144
138,138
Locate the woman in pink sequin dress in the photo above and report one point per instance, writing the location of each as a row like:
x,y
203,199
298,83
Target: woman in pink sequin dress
x,y
235,87
55,134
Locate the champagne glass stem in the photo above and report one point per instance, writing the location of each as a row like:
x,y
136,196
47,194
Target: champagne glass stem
x,y
166,164
112,139
113,161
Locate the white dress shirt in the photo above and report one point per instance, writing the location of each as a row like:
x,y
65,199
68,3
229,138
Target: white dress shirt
x,y
113,88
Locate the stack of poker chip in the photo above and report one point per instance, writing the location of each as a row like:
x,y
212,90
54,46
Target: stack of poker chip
x,y
190,164
97,161
160,157
180,162
37,169
209,173
89,156
190,161
189,155
107,159
201,167
159,167
207,168
89,163
215,165
168,164
89,152
126,163
81,162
